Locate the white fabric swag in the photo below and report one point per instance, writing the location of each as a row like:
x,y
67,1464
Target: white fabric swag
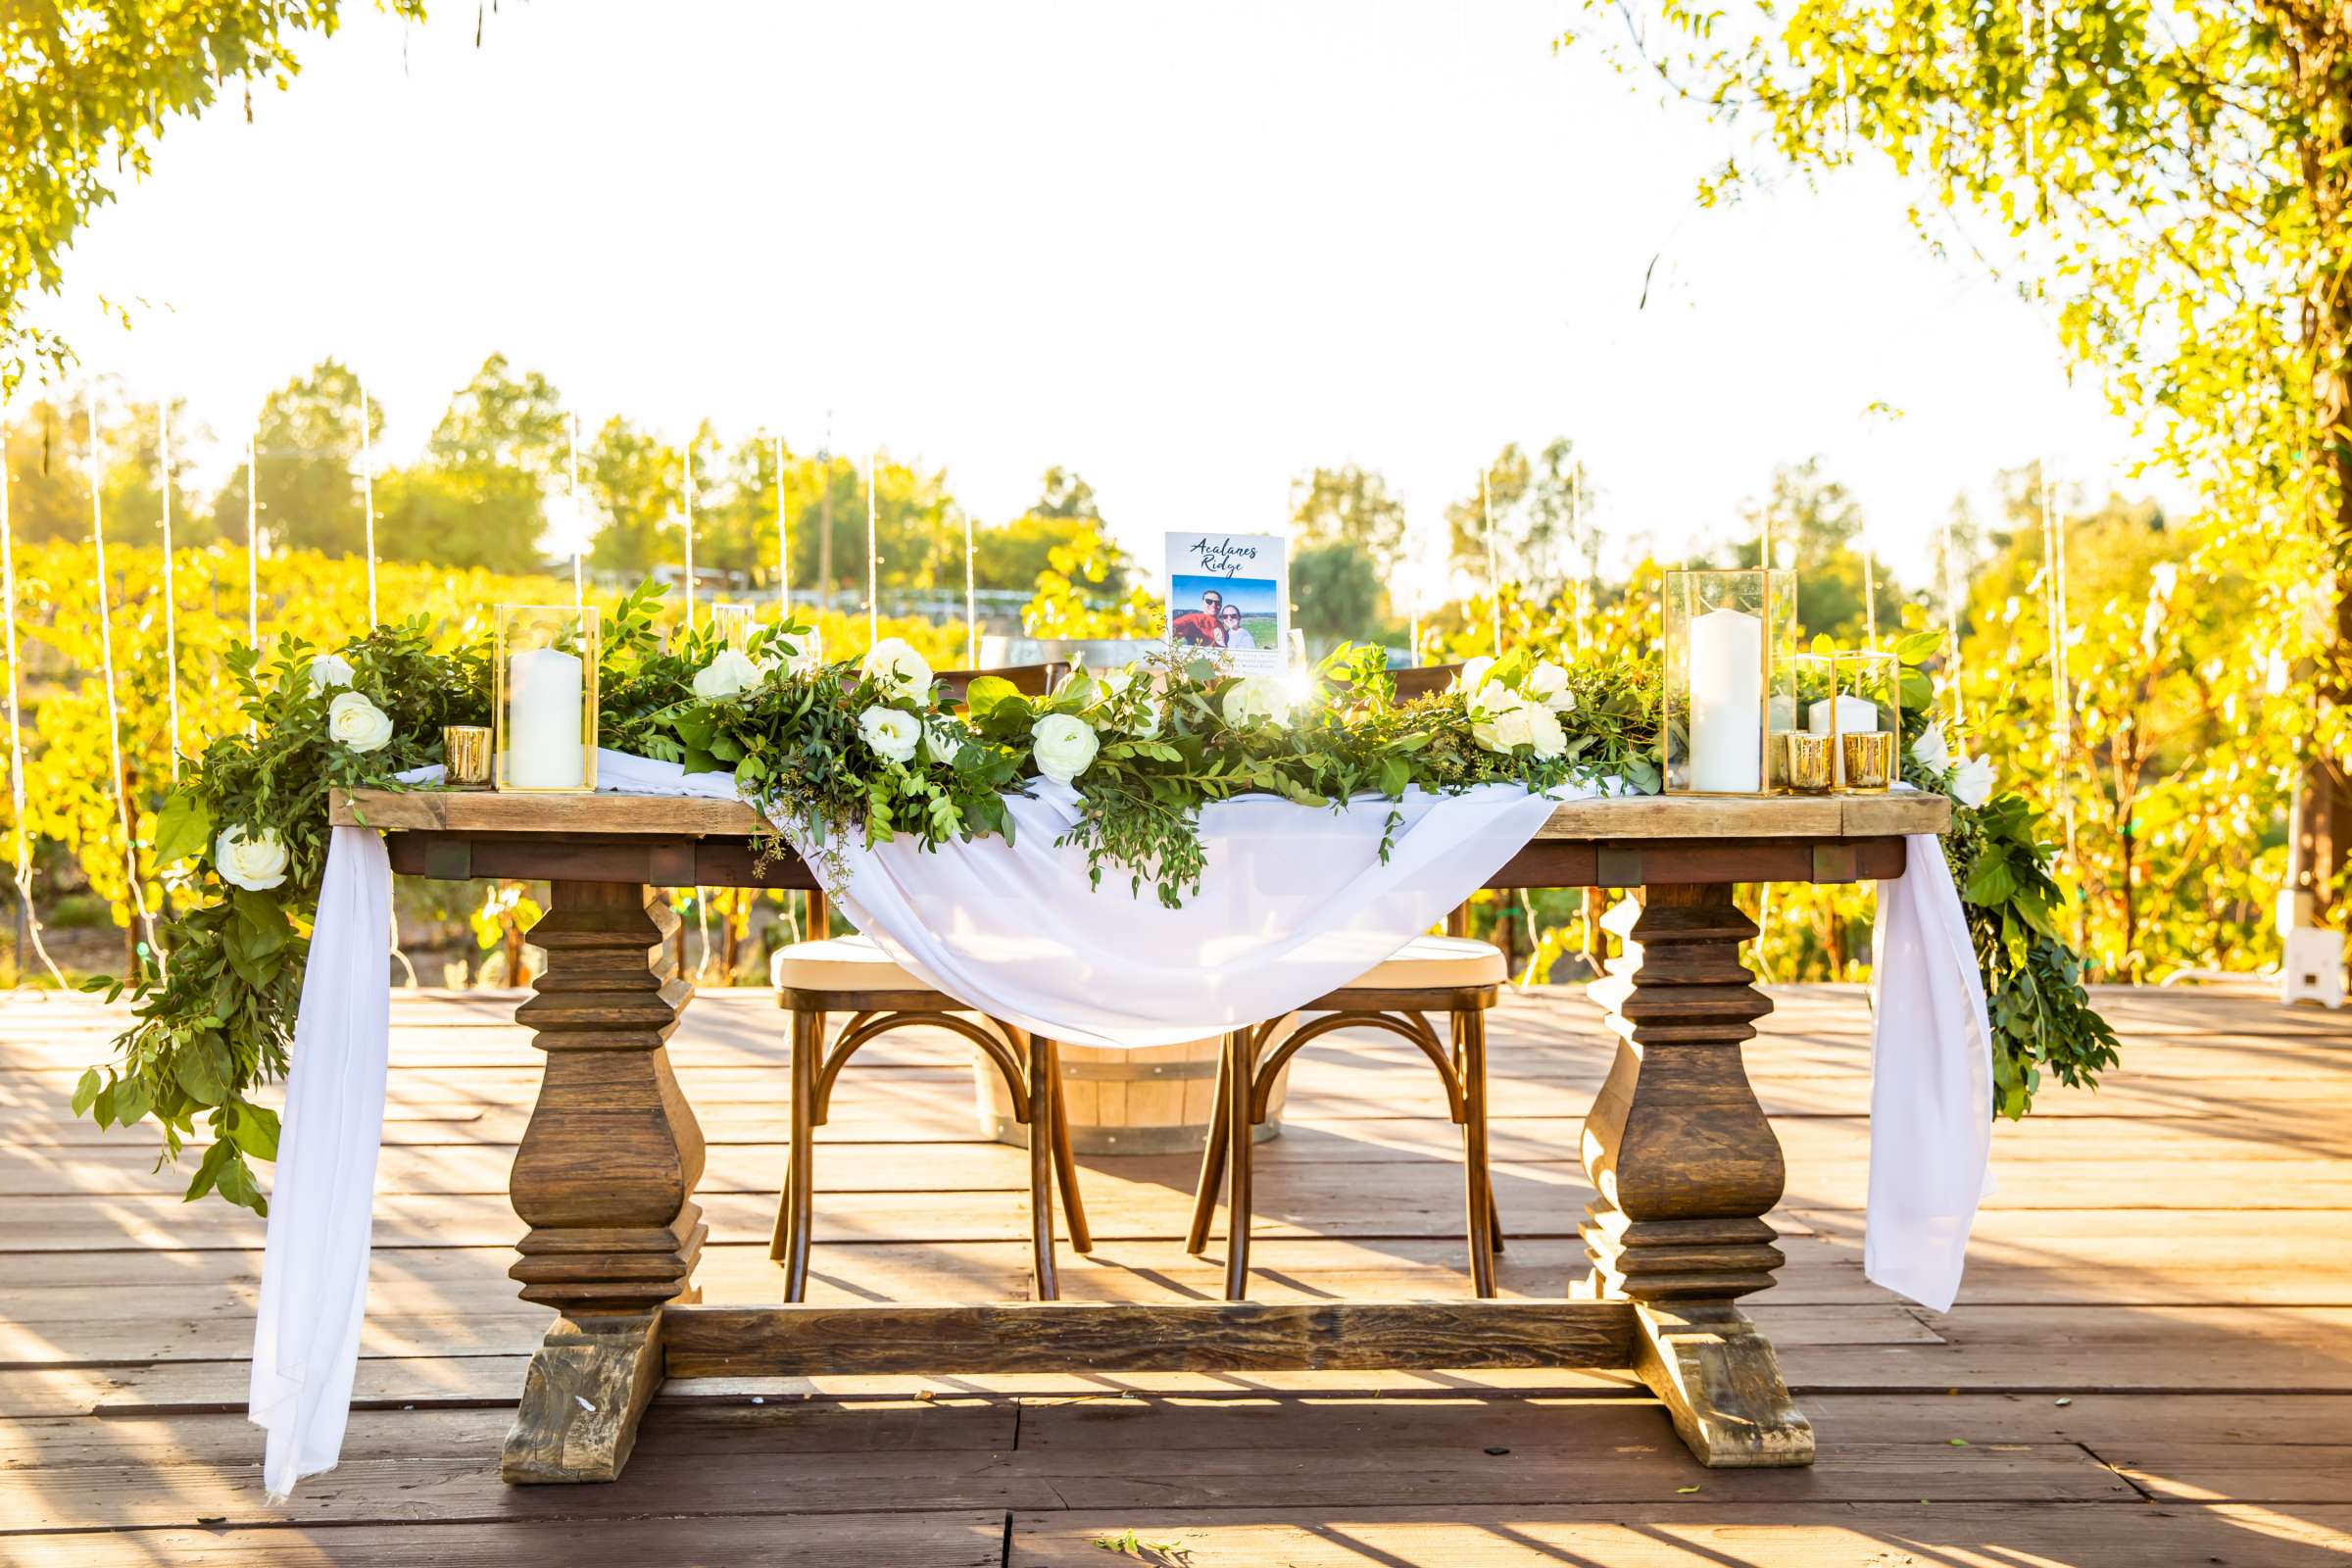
x,y
1295,901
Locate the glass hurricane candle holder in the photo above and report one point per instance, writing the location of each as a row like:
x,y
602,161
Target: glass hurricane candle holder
x,y
734,624
1810,760
466,756
1865,714
1730,641
543,704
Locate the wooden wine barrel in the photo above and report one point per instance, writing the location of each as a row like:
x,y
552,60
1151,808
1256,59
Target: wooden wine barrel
x,y
1151,1101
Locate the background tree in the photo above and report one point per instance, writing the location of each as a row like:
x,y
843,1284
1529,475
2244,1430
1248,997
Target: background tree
x,y
478,495
1012,554
307,439
1816,528
1350,505
638,488
1061,493
1336,594
90,86
1508,478
2175,184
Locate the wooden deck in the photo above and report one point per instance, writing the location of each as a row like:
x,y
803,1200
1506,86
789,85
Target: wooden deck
x,y
2152,1365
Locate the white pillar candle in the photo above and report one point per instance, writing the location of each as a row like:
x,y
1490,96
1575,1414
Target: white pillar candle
x,y
1726,702
544,697
1855,715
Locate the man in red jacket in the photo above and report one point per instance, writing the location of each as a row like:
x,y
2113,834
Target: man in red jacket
x,y
1199,628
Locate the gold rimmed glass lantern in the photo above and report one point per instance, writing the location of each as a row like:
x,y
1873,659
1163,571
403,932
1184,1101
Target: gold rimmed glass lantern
x,y
1730,692
734,624
543,699
1862,716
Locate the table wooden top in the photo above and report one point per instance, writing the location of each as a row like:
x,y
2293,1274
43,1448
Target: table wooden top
x,y
1639,816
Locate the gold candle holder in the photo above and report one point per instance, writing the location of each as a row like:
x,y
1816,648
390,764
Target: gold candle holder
x,y
466,748
1869,759
1810,758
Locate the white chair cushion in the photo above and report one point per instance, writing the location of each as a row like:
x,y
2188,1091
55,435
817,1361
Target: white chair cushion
x,y
838,963
1427,961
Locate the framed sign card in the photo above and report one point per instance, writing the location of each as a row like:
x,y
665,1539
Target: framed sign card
x,y
1231,591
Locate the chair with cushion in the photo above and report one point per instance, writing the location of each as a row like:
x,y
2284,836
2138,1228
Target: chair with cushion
x,y
853,976
1451,972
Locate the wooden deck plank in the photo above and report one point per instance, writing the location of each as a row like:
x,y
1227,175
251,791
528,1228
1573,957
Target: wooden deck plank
x,y
2221,1390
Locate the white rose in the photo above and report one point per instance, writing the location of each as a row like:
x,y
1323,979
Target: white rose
x,y
1063,746
727,674
1972,782
256,861
1930,751
1547,684
329,670
942,740
892,734
357,723
899,667
1474,673
1544,733
1490,697
1506,721
1255,697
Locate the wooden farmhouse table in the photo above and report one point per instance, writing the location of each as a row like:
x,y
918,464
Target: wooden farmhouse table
x,y
1683,1158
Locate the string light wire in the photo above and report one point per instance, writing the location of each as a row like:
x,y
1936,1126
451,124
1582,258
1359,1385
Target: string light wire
x,y
106,663
16,734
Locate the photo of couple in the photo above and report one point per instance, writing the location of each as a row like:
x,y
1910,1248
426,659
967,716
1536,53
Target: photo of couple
x,y
1225,592
1217,623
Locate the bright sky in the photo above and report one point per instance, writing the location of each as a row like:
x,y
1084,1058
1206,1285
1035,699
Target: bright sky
x,y
1189,248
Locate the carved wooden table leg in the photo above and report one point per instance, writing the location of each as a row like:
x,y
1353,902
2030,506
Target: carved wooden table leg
x,y
1687,1166
604,1177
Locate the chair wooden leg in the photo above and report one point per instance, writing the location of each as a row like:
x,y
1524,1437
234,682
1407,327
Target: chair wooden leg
x,y
1240,1076
1066,1163
1494,1214
1212,1159
1470,1038
1044,1286
793,1214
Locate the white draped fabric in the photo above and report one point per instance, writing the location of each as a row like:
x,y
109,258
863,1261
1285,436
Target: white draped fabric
x,y
1931,1084
306,1333
1295,901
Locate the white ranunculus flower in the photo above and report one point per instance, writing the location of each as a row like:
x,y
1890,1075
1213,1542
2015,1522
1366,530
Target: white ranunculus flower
x,y
728,673
894,735
1255,697
357,723
899,667
1490,697
254,861
1474,673
1063,746
1930,751
329,671
1547,684
1972,782
942,740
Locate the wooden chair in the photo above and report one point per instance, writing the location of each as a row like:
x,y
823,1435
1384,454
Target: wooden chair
x,y
1463,976
827,975
1432,974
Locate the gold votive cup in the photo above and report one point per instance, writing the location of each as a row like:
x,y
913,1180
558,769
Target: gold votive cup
x,y
1809,763
1869,759
466,748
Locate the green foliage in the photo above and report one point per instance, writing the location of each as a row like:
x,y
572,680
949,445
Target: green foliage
x,y
219,1017
1337,592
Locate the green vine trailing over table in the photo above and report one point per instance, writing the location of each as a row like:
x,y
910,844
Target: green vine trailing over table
x,y
870,753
